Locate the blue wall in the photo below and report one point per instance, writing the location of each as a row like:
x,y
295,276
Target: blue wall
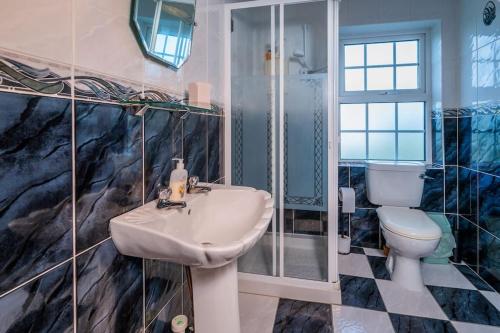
x,y
44,253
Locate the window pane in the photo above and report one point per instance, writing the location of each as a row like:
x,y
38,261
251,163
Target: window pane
x,y
353,146
411,116
411,146
407,52
354,55
354,79
381,146
380,78
379,54
352,117
381,116
407,77
160,43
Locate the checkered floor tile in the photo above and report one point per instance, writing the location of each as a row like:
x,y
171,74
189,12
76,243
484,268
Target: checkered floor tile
x,y
456,300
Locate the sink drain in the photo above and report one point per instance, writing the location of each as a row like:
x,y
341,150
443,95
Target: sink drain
x,y
207,244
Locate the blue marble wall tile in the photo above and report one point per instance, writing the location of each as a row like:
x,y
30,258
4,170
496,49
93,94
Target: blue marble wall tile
x,y
365,228
343,176
307,222
288,221
41,306
160,128
187,303
35,182
486,145
162,280
358,182
489,203
467,193
450,141
194,145
215,148
489,259
467,241
343,222
464,142
437,141
108,168
451,190
162,323
433,194
109,291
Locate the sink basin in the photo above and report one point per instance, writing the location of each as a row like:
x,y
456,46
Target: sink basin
x,y
214,229
208,235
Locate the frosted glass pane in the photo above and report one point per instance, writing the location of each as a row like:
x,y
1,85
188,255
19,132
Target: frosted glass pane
x,y
353,146
382,116
411,116
379,54
354,55
352,117
354,79
407,77
407,52
411,146
382,146
380,78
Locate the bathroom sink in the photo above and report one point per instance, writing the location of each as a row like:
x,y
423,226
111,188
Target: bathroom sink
x,y
208,235
214,229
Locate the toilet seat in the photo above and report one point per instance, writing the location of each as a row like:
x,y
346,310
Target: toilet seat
x,y
406,222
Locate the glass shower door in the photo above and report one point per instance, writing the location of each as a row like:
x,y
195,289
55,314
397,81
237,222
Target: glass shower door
x,y
305,177
252,112
279,132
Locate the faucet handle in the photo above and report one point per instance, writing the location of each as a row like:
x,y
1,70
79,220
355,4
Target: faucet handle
x,y
164,193
193,181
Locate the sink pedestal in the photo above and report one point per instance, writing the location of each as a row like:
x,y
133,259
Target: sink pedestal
x,y
215,298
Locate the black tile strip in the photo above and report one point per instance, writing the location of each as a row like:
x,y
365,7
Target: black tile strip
x,y
361,292
379,270
411,324
466,305
473,278
300,316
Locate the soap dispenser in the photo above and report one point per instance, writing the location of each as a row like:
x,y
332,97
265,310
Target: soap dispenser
x,y
178,181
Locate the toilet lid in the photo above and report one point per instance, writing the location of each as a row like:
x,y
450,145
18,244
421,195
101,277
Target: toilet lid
x,y
411,223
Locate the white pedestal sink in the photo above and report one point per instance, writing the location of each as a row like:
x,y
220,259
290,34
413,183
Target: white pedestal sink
x,y
208,236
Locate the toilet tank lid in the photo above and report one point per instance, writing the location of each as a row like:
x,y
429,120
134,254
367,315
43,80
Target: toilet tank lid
x,y
396,166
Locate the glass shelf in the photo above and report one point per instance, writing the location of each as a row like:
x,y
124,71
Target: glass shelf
x,y
175,106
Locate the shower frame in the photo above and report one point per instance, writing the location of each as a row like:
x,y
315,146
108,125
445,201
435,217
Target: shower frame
x,y
280,285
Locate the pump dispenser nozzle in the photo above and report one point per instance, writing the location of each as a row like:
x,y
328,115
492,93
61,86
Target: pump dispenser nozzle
x,y
180,162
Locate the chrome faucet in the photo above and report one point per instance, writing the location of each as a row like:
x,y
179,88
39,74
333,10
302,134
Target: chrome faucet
x,y
194,188
164,194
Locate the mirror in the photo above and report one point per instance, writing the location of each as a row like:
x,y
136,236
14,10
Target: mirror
x,y
164,29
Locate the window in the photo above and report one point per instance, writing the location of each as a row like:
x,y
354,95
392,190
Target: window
x,y
383,99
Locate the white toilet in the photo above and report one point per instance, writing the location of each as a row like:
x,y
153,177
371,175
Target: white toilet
x,y
409,233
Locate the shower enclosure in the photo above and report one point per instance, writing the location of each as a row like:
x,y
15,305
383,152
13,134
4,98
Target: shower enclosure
x,y
280,134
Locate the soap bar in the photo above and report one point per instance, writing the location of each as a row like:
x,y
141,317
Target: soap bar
x,y
199,94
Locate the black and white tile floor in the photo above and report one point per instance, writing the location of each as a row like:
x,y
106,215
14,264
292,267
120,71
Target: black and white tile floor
x,y
456,300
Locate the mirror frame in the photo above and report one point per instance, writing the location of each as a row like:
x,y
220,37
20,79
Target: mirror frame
x,y
144,47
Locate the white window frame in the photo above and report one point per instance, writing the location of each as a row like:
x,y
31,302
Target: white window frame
x,y
422,94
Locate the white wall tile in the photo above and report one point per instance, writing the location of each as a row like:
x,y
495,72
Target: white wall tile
x,y
486,34
39,28
488,69
104,40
